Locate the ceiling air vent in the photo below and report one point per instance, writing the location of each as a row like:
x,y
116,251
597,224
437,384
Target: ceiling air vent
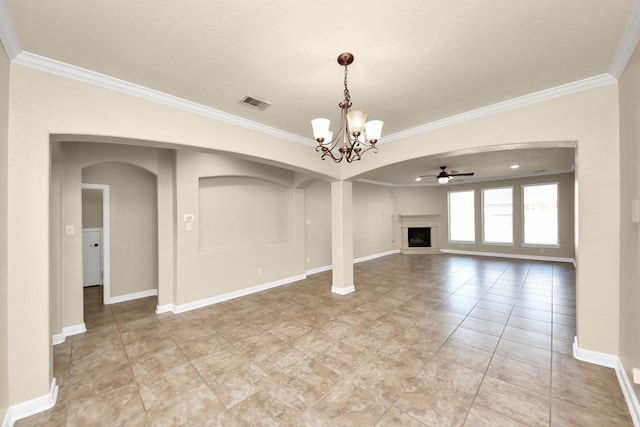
x,y
255,103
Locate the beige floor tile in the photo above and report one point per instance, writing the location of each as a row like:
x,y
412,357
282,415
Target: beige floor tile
x,y
514,402
479,416
349,405
424,340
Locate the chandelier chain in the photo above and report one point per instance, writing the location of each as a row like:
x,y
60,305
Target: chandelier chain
x,y
347,96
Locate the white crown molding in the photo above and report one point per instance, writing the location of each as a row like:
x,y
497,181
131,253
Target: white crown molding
x,y
628,43
8,32
556,92
71,71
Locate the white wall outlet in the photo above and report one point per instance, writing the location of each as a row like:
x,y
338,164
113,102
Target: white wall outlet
x,y
188,226
69,230
189,217
308,222
636,375
259,271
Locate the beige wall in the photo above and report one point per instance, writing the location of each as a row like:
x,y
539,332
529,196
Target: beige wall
x,y
73,157
629,231
243,211
133,219
4,303
565,217
44,104
207,273
91,208
372,219
417,201
317,208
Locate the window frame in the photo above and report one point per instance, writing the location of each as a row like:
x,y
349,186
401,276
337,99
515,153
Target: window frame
x,y
542,245
473,194
482,212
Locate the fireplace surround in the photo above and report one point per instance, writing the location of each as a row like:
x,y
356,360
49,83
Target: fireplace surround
x,y
417,244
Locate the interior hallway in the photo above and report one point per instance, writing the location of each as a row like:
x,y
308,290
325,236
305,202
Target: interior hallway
x,y
432,340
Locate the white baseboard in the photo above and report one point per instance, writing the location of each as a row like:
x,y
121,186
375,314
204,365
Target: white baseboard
x,y
318,270
612,361
165,308
343,291
516,256
69,331
31,407
231,295
355,261
595,357
135,295
629,393
374,256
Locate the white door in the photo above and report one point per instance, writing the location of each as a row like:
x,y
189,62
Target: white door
x,y
91,257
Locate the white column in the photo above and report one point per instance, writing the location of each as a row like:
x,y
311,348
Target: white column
x,y
342,237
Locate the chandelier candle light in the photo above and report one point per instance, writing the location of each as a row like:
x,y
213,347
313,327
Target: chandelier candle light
x,y
355,136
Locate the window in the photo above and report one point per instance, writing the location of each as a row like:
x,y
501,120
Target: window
x,y
540,214
462,223
497,215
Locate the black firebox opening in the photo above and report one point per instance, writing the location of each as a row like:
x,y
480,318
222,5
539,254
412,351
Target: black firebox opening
x,y
419,237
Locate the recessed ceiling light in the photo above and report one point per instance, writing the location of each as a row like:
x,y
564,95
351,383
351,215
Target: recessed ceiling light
x,y
418,179
515,166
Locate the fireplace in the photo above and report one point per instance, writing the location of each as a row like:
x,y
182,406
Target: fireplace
x,y
420,234
419,237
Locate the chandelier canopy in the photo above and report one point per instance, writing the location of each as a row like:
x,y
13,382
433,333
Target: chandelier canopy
x,y
355,135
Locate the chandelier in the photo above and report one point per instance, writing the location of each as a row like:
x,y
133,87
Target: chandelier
x,y
355,135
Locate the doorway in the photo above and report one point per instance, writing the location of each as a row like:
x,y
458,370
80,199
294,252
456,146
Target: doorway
x,y
101,251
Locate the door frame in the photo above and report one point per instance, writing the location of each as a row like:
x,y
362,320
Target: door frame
x,y
106,240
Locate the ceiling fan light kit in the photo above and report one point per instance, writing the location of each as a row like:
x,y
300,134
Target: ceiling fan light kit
x,y
355,135
444,177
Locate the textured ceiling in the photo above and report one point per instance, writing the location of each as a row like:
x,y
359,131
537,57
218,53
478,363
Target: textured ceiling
x,y
416,61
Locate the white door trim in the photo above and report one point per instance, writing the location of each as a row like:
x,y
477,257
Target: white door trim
x,y
106,239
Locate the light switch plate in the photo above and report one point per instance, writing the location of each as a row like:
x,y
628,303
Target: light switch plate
x,y
635,210
69,230
189,217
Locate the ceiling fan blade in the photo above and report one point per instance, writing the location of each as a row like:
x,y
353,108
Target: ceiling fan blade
x,y
427,176
462,174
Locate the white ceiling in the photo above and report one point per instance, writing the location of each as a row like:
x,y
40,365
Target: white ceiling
x,y
416,61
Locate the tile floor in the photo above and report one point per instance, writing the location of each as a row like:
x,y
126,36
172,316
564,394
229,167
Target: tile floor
x,y
436,340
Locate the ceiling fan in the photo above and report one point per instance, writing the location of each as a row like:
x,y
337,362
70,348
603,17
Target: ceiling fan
x,y
443,177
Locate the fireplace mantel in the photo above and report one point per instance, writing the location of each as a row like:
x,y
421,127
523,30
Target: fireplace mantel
x,y
420,221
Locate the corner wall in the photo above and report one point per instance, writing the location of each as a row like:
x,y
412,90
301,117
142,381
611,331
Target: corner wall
x,y
629,231
4,303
